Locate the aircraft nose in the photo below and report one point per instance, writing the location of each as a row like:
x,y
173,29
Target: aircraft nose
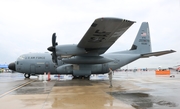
x,y
12,66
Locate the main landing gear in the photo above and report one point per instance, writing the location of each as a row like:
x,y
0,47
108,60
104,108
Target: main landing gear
x,y
81,77
26,75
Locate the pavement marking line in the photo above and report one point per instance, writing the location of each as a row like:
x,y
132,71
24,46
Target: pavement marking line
x,y
22,85
47,97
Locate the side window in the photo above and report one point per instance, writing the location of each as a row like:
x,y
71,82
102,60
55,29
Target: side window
x,y
17,62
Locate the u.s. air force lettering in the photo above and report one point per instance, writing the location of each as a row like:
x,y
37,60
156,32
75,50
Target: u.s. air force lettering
x,y
34,57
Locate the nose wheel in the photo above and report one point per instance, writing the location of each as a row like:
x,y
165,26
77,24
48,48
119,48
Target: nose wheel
x,y
26,75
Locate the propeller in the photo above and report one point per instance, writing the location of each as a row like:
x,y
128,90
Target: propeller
x,y
53,48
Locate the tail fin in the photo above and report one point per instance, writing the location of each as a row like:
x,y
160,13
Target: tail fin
x,y
142,43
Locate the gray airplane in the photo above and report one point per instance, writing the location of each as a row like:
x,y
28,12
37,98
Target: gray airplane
x,y
87,57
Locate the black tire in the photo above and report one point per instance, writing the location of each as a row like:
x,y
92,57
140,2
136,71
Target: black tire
x,y
87,77
26,75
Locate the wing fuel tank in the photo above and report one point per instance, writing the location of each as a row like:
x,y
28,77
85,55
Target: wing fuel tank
x,y
87,60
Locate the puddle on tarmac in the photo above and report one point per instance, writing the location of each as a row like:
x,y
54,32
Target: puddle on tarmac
x,y
73,83
142,100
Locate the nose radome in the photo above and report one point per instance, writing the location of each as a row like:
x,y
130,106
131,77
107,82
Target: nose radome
x,y
11,66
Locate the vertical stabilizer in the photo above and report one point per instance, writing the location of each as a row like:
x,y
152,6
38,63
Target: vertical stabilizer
x,y
142,43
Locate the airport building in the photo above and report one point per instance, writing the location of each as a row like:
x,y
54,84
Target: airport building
x,y
3,67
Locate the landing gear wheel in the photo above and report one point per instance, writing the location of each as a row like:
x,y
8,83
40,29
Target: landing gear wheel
x,y
76,77
87,77
26,75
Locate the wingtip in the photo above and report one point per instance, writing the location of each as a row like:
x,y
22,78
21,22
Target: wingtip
x,y
172,50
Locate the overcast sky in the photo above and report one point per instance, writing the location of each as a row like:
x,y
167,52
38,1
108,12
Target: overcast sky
x,y
27,26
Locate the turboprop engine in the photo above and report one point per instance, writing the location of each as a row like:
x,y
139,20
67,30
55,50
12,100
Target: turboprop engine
x,y
66,51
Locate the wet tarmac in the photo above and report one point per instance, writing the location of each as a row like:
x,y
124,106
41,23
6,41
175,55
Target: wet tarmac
x,y
131,90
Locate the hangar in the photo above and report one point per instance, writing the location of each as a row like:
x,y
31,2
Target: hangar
x,y
3,67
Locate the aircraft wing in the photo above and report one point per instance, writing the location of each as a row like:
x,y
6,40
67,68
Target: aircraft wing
x,y
103,33
157,53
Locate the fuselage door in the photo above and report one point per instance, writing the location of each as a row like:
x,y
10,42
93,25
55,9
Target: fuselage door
x,y
33,70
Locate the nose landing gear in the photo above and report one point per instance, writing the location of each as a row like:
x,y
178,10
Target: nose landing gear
x,y
26,75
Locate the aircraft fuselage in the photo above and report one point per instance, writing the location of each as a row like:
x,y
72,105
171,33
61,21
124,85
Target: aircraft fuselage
x,y
38,63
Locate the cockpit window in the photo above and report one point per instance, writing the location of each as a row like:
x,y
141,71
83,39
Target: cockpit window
x,y
21,57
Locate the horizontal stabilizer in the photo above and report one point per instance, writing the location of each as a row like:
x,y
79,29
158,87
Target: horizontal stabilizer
x,y
156,53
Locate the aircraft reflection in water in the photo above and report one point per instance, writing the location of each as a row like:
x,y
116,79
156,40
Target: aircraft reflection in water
x,y
87,57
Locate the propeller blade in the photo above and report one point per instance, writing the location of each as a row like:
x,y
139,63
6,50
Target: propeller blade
x,y
53,49
54,40
54,58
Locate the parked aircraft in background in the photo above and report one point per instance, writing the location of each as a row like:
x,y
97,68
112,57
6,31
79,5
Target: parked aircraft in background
x,y
87,57
177,68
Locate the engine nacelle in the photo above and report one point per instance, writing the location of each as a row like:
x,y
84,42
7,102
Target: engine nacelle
x,y
69,50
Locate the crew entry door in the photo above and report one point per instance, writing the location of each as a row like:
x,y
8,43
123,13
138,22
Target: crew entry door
x,y
33,70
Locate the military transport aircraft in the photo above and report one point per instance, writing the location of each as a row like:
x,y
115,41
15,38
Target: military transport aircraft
x,y
87,57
